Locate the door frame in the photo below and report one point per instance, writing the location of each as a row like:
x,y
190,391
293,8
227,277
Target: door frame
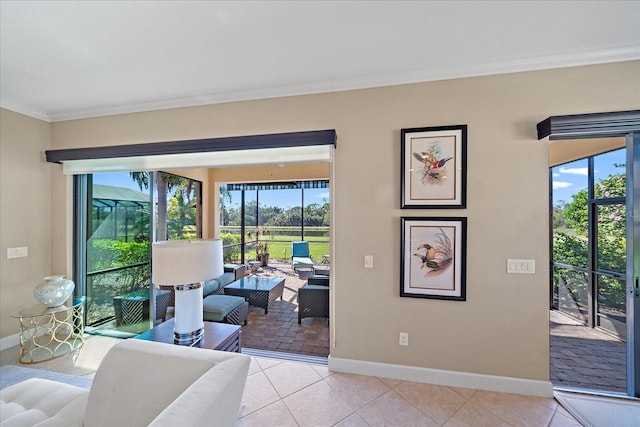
x,y
615,124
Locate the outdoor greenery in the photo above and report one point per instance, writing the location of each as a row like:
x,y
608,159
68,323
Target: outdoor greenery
x,y
231,243
279,246
570,244
271,229
260,239
315,214
177,219
104,258
177,204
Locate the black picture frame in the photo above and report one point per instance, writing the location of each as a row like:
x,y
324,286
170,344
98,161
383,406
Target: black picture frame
x,y
433,258
434,167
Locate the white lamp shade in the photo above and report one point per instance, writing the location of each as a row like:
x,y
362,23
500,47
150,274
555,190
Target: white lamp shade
x,y
182,262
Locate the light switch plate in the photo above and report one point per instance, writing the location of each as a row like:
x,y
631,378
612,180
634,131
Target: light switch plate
x,y
404,339
368,261
17,252
521,266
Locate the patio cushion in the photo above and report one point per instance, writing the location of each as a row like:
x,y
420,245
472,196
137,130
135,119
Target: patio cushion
x,y
216,307
318,279
209,287
214,286
226,278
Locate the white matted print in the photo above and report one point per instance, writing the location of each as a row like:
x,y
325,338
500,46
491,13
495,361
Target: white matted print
x,y
434,167
433,258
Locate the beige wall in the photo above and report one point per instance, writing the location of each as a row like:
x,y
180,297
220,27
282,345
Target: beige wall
x,y
502,328
25,219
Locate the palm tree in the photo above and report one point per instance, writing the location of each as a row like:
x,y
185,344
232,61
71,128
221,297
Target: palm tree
x,y
165,183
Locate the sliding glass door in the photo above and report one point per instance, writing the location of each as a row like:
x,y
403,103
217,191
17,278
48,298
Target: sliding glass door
x,y
112,256
589,241
117,254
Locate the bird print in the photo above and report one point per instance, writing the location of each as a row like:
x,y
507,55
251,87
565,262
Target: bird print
x,y
433,169
433,265
430,161
431,251
435,257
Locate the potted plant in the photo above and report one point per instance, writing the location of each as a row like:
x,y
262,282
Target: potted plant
x,y
263,239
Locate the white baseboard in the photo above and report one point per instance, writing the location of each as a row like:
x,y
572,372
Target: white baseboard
x,y
10,341
441,377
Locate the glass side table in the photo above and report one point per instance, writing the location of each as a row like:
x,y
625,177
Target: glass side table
x,y
47,333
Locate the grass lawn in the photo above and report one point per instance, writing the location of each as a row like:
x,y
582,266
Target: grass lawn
x,y
281,249
280,246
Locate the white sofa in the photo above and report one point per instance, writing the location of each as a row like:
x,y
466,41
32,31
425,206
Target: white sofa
x,y
138,383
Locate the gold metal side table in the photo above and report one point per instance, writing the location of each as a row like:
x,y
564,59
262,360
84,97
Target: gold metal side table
x,y
47,333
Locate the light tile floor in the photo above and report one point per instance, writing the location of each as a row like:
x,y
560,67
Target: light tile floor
x,y
285,393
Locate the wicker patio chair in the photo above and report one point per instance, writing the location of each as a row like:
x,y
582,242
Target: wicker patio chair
x,y
313,301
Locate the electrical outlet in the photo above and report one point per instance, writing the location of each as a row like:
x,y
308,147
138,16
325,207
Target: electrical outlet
x,y
404,338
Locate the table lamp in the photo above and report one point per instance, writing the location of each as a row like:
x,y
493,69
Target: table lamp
x,y
185,264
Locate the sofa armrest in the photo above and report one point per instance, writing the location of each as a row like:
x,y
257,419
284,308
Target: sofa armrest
x,y
137,380
213,399
238,270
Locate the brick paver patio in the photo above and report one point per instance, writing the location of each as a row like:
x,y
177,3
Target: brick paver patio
x,y
583,357
279,329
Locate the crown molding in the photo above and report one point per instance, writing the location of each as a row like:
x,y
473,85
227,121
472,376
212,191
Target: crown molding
x,y
366,81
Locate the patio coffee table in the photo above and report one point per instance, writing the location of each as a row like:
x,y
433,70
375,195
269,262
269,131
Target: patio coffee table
x,y
259,291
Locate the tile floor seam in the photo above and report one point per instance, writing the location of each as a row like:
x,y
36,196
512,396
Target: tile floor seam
x,y
349,416
279,399
295,420
365,404
552,417
459,394
467,399
416,407
260,408
297,391
497,415
291,413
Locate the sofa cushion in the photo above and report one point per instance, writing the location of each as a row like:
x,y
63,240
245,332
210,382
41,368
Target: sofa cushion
x,y
210,286
226,278
40,402
216,307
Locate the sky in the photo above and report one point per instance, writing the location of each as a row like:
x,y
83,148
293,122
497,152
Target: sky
x,y
289,198
283,198
570,178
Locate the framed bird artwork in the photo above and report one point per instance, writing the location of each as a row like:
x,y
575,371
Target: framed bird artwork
x,y
433,263
434,167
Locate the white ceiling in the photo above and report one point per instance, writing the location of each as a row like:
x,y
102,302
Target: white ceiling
x,y
62,60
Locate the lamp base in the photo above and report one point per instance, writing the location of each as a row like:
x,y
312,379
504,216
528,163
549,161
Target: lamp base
x,y
189,327
191,338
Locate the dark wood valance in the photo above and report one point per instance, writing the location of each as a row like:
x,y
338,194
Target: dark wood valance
x,y
234,143
590,125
